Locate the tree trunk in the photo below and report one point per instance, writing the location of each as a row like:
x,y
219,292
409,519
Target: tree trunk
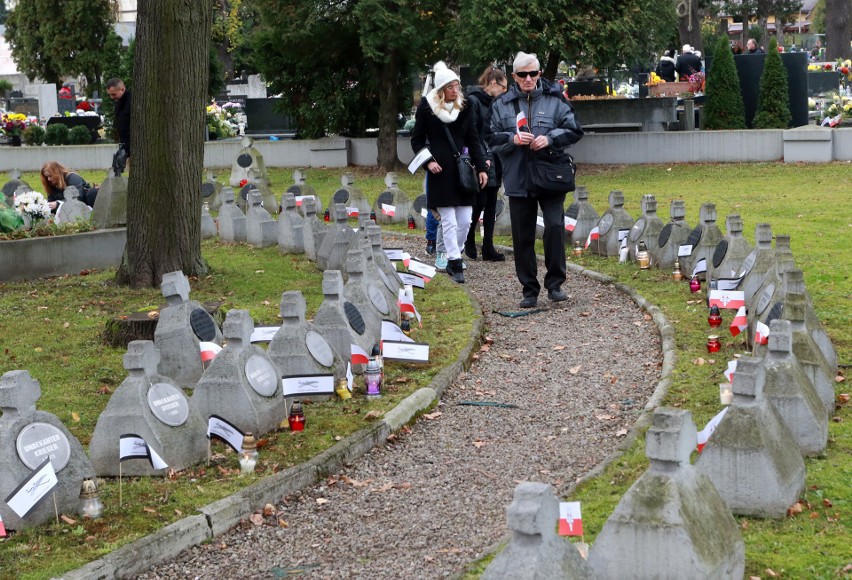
x,y
387,159
552,66
838,14
689,25
167,155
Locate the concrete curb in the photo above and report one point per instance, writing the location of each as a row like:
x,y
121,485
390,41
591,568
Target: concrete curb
x,y
220,516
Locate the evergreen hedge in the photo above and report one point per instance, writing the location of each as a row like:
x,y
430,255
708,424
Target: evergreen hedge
x,y
773,103
724,108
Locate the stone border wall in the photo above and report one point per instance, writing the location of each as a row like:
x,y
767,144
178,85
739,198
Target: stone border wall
x,y
616,148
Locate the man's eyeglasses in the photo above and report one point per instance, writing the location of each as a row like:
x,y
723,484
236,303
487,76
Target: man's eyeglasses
x,y
527,73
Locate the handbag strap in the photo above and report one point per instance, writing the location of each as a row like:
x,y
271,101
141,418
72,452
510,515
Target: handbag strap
x,y
452,141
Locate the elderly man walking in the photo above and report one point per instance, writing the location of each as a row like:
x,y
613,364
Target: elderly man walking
x,y
531,117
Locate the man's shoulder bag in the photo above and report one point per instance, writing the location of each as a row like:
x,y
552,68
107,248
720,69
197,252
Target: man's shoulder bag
x,y
549,172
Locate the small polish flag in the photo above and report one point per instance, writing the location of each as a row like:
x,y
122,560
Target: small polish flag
x,y
131,446
570,224
740,322
522,122
570,519
731,299
729,372
359,355
705,433
209,350
352,212
406,259
761,333
700,267
406,304
2,528
226,431
388,209
31,491
593,235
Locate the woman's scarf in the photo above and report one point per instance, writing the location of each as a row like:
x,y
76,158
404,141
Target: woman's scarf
x,y
446,112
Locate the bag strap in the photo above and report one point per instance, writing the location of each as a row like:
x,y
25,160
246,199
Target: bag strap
x,y
452,141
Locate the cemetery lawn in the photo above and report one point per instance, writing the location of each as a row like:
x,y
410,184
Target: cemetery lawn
x,y
808,202
52,328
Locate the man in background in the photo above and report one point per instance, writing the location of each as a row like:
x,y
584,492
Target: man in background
x,y
121,98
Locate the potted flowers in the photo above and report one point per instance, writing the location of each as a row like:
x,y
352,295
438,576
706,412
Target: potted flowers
x,y
32,206
13,126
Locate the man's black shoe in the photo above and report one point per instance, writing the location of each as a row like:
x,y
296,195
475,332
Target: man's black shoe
x,y
557,295
529,302
430,247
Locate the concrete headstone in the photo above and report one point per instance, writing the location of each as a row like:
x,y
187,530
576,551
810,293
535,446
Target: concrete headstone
x,y
313,230
331,255
297,348
730,252
249,159
208,226
758,262
339,321
211,192
261,229
371,302
290,227
646,229
232,223
703,239
614,220
584,213
672,236
72,209
807,351
392,205
110,209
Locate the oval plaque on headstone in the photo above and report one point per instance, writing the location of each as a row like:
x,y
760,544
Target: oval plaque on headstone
x,y
37,441
295,189
246,189
378,299
261,375
498,208
207,189
774,312
719,252
605,224
319,348
356,321
340,196
694,237
637,230
168,404
573,210
202,325
386,198
765,298
748,263
419,203
244,160
665,233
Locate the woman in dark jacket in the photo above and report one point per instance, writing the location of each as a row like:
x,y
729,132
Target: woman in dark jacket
x,y
443,108
666,67
55,177
492,84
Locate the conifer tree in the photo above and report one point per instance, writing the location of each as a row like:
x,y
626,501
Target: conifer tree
x,y
724,107
773,103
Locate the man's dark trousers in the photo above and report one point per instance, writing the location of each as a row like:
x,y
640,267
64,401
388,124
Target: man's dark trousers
x,y
524,211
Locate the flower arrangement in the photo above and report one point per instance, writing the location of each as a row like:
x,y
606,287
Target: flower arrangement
x,y
696,82
844,67
222,121
654,80
14,124
32,204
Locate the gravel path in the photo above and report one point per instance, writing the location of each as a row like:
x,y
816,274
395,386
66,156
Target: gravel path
x,y
434,498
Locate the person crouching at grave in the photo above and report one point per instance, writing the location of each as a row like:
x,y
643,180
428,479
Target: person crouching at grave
x,y
55,177
492,84
444,122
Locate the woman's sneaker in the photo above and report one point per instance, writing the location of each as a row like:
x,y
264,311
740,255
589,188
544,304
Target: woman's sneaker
x,y
441,260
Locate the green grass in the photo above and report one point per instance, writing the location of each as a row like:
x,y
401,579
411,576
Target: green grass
x,y
809,202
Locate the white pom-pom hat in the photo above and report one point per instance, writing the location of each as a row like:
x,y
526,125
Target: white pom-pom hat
x,y
443,75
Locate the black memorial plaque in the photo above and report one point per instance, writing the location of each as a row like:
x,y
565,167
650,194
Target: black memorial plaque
x,y
207,189
244,160
665,233
765,299
8,190
419,203
385,198
719,252
168,404
748,263
295,189
605,224
774,312
202,325
694,237
38,441
356,321
246,189
261,375
340,196
378,299
637,230
573,211
319,348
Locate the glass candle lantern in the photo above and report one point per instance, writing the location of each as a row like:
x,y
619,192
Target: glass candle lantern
x,y
694,284
405,326
326,217
677,275
713,344
411,224
248,453
373,215
342,389
297,417
578,248
91,505
726,393
715,317
643,257
373,379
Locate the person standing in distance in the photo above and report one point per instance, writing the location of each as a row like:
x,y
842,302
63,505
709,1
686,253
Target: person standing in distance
x,y
120,96
548,122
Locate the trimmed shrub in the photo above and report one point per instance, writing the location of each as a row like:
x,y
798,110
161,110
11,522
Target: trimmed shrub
x,y
773,103
33,135
79,136
56,134
724,108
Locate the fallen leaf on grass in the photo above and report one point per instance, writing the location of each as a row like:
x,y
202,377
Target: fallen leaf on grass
x,y
843,398
178,513
67,520
150,510
434,415
75,416
699,361
794,510
104,390
827,503
66,325
770,572
839,378
373,415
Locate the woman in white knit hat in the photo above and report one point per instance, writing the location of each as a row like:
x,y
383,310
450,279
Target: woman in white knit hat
x,y
444,107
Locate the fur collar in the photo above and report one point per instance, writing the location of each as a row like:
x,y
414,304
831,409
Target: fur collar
x,y
667,59
438,108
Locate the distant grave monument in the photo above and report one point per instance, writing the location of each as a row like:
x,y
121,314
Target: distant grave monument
x,y
28,437
313,230
297,348
646,229
331,255
232,223
248,159
350,195
303,190
672,236
110,209
72,209
151,406
365,294
758,262
392,205
261,229
208,226
290,227
210,192
581,217
730,252
339,321
614,225
702,240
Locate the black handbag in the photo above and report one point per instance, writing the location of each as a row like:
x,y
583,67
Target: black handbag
x,y
468,179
